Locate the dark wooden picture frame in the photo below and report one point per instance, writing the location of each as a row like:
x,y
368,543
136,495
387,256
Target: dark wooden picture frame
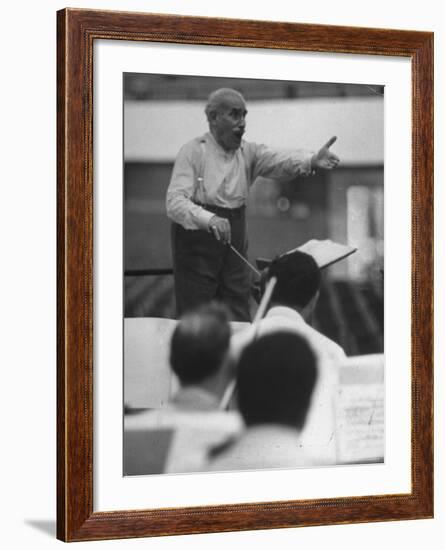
x,y
77,31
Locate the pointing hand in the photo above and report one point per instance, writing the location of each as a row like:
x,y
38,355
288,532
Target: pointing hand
x,y
325,159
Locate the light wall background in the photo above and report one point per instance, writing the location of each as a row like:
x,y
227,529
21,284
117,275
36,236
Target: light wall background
x,y
27,217
177,122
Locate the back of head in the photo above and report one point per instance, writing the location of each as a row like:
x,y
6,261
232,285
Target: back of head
x,y
276,378
199,343
298,279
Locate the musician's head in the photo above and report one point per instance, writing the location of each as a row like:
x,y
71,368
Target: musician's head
x,y
199,346
298,281
276,377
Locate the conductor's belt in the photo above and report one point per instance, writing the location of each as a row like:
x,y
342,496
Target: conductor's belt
x,y
229,213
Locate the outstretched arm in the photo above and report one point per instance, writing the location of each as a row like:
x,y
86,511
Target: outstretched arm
x,y
282,163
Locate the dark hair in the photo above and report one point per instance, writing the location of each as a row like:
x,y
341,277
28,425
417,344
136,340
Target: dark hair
x,y
199,343
276,378
298,279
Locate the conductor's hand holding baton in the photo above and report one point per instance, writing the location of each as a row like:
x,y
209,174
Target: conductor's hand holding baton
x,y
220,227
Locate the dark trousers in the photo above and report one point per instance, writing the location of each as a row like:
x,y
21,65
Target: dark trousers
x,y
206,269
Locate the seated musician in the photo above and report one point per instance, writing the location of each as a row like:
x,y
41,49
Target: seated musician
x,y
198,353
291,306
276,377
295,297
177,438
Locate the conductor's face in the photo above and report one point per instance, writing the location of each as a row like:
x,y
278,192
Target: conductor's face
x,y
229,122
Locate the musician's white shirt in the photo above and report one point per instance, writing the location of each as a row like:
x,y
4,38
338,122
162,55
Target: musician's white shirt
x,y
318,436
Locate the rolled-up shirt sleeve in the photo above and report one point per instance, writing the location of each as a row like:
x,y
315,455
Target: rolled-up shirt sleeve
x,y
180,206
280,163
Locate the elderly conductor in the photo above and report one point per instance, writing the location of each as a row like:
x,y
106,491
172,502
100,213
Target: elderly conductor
x,y
206,201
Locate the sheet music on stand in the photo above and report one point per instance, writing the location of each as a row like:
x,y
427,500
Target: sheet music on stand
x,y
360,411
325,252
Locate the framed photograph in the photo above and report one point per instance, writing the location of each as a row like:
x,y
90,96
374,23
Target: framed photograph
x,y
346,116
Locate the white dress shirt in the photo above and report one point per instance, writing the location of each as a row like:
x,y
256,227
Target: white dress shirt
x,y
264,446
205,173
318,435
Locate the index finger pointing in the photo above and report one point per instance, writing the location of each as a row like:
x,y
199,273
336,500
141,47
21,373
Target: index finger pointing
x,y
330,142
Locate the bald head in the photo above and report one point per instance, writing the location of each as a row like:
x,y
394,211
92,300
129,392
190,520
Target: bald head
x,y
221,99
226,112
199,344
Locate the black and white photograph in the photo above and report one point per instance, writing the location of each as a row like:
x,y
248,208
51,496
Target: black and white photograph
x,y
132,419
253,279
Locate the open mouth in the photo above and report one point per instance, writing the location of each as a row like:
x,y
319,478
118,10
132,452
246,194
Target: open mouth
x,y
238,133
